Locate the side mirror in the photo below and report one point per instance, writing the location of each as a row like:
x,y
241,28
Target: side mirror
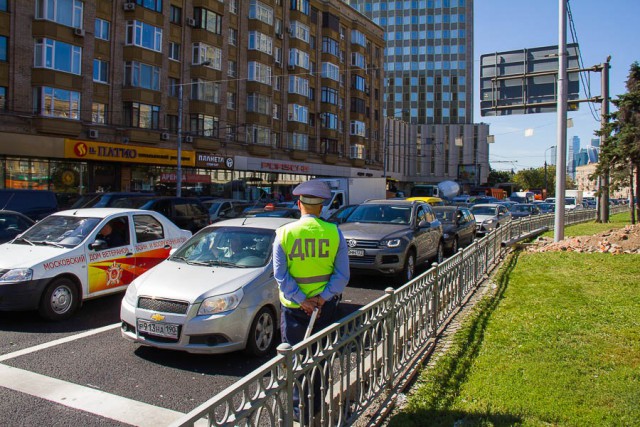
x,y
98,245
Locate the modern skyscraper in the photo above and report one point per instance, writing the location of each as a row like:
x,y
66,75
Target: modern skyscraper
x,y
574,149
428,58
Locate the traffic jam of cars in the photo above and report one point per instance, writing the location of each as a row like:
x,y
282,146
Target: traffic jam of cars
x,y
196,275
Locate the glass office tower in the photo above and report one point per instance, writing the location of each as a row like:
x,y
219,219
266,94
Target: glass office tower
x,y
428,58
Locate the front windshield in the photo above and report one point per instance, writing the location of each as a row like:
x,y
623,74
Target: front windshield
x,y
520,208
482,210
395,214
569,201
238,247
57,230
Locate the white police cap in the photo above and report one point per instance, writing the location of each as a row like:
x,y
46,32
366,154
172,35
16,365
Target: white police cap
x,y
312,192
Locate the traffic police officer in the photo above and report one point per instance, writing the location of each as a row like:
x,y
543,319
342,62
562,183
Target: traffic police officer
x,y
311,266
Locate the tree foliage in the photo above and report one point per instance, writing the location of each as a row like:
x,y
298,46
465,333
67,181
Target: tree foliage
x,y
497,177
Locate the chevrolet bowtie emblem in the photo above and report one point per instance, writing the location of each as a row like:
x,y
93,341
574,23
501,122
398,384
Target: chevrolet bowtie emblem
x,y
157,317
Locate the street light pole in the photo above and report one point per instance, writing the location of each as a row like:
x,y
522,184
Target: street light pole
x,y
561,164
179,167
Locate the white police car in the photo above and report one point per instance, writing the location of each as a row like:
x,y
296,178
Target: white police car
x,y
63,259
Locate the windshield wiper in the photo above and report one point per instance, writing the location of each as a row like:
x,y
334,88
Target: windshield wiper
x,y
222,263
22,239
47,242
178,258
192,262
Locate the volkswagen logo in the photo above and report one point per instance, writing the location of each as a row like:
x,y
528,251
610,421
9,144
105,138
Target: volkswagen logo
x,y
352,243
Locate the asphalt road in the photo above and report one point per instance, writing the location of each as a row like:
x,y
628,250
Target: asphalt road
x,y
82,372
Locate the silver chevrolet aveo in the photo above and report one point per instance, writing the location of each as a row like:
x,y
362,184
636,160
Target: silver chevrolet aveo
x,y
215,294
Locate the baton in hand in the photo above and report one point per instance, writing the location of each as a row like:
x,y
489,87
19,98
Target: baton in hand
x,y
312,321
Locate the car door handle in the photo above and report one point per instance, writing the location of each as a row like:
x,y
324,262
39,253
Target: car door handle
x,y
128,254
167,246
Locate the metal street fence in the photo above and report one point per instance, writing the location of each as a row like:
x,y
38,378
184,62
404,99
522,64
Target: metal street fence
x,y
357,364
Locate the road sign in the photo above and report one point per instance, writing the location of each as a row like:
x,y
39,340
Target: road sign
x,y
526,81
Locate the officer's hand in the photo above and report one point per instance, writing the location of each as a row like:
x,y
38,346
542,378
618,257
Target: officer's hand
x,y
308,305
319,300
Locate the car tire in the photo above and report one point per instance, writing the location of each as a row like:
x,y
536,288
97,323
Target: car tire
x,y
454,246
262,335
409,270
439,253
60,300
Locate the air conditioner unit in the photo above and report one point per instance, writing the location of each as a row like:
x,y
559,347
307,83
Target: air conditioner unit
x,y
129,7
341,36
93,134
188,139
280,35
78,32
164,136
191,22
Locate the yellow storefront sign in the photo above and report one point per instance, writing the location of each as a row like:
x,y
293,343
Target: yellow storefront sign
x,y
91,150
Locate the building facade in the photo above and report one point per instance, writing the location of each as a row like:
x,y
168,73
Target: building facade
x,y
105,95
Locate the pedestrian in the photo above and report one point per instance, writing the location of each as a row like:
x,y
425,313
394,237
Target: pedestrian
x,y
113,239
311,266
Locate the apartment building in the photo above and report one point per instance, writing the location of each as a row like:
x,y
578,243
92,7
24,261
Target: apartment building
x,y
103,95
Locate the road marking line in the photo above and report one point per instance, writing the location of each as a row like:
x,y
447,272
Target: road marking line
x,y
86,399
57,342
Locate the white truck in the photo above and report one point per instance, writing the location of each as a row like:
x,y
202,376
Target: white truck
x,y
577,194
352,191
446,190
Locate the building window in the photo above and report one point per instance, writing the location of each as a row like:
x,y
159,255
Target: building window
x,y
299,31
330,71
330,46
141,115
358,38
204,125
175,15
276,111
58,56
329,95
137,74
64,12
258,103
231,101
358,83
232,70
258,72
54,102
208,20
299,58
299,85
3,5
261,42
329,120
358,60
356,151
357,128
151,4
100,71
203,53
144,35
261,12
298,141
174,51
233,6
3,48
300,5
258,135
98,113
172,123
174,87
203,90
298,113
233,36
102,29
3,98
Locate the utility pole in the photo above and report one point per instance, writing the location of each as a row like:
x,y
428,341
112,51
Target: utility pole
x,y
561,162
604,112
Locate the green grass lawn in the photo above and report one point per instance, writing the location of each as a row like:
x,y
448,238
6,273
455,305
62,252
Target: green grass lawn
x,y
558,345
589,228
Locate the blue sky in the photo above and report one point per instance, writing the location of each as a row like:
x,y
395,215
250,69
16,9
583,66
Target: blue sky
x,y
603,27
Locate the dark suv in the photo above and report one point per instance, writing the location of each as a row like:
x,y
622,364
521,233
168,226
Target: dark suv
x,y
392,237
36,204
130,200
187,213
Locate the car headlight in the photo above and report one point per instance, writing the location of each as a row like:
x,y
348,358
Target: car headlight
x,y
390,243
17,275
489,221
220,303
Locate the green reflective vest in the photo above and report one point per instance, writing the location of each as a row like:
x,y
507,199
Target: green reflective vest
x,y
310,245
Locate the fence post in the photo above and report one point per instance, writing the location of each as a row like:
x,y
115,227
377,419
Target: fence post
x,y
462,276
435,298
391,327
285,350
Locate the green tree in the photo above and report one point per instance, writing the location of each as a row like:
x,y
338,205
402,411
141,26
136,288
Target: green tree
x,y
497,177
620,154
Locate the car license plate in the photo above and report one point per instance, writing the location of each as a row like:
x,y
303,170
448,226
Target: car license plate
x,y
356,252
167,330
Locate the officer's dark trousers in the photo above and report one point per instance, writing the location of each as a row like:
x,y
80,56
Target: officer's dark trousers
x,y
293,325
